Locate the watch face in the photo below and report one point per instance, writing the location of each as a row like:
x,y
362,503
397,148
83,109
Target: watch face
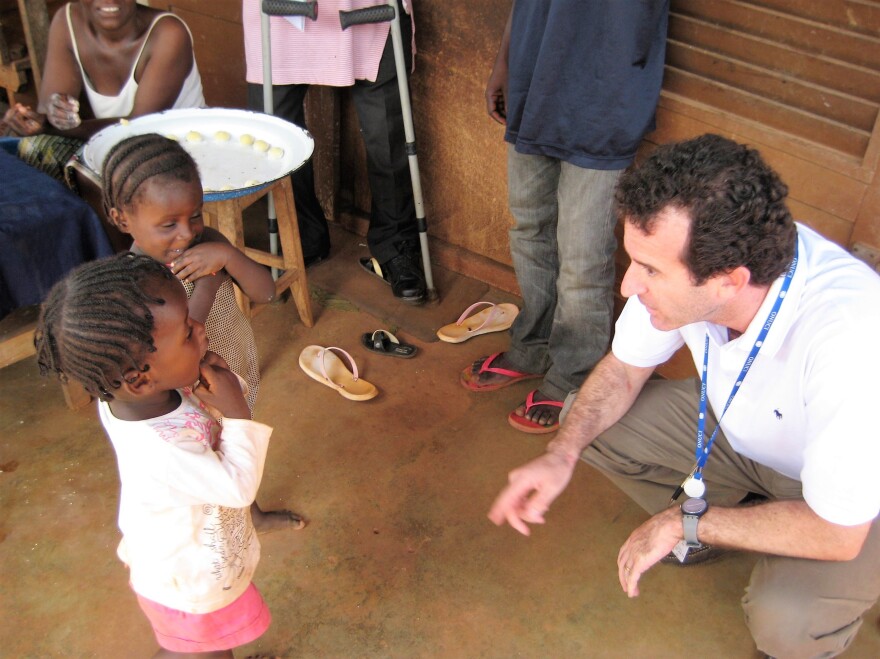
x,y
694,506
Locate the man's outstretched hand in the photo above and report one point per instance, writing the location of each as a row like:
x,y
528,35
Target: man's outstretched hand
x,y
530,491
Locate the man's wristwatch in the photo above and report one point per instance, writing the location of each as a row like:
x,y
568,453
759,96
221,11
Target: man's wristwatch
x,y
691,511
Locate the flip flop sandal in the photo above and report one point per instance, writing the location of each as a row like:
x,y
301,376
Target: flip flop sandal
x,y
468,378
385,343
497,318
324,366
524,424
371,265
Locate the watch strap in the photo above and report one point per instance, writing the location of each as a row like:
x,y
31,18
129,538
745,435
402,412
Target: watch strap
x,y
689,524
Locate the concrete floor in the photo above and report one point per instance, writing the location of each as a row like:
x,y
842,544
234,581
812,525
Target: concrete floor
x,y
398,559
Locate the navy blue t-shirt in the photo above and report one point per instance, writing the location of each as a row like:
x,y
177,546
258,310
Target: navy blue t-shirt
x,y
584,78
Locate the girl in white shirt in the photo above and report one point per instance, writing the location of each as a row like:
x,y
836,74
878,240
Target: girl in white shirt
x,y
121,327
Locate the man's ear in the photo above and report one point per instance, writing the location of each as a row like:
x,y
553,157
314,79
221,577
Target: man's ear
x,y
118,219
733,282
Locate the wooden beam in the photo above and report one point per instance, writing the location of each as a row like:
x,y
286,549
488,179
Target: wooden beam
x,y
35,20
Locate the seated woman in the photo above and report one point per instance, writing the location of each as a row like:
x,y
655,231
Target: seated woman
x,y
104,63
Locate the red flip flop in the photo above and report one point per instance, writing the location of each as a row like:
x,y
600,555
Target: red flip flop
x,y
486,367
525,425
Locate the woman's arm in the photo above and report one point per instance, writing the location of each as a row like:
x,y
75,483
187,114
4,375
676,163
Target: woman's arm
x,y
62,81
166,62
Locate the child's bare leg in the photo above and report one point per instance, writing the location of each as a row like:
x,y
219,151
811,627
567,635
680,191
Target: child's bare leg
x,y
167,654
275,520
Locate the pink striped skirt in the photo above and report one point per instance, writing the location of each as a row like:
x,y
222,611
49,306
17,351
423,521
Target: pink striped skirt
x,y
238,623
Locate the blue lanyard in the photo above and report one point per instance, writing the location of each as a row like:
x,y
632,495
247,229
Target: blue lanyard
x,y
701,452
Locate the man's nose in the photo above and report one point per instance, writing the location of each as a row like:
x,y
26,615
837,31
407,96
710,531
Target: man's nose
x,y
630,285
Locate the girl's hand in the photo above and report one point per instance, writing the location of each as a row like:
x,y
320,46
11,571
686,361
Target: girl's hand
x,y
213,359
201,260
63,111
219,388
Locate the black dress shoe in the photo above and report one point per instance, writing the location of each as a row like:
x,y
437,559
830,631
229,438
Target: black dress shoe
x,y
405,275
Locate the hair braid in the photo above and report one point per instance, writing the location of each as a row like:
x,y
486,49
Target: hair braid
x,y
96,324
138,158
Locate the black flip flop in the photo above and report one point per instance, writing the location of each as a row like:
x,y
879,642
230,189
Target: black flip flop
x,y
384,342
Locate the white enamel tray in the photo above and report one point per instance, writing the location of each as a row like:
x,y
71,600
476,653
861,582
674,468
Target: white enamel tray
x,y
236,150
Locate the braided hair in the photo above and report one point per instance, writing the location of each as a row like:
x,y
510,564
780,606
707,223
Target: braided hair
x,y
96,323
137,159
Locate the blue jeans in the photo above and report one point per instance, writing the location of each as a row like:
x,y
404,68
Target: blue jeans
x,y
562,245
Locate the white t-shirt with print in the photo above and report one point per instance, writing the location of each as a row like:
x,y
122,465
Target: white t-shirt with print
x,y
184,511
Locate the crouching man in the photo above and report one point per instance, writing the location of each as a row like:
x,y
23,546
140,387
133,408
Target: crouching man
x,y
784,328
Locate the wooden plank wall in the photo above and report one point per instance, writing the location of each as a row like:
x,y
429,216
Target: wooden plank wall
x,y
797,79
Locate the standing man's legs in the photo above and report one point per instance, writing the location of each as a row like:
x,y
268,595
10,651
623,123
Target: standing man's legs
x,y
565,268
581,329
532,184
793,607
287,101
393,231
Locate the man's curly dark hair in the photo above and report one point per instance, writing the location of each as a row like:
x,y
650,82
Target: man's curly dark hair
x,y
736,203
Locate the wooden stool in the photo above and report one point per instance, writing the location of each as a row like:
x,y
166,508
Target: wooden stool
x,y
225,215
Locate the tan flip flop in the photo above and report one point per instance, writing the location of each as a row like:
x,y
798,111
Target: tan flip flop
x,y
496,318
324,366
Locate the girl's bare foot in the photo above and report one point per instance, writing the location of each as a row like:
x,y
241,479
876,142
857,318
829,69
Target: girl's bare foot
x,y
275,520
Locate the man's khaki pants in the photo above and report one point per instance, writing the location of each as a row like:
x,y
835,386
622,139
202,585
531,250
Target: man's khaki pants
x,y
793,607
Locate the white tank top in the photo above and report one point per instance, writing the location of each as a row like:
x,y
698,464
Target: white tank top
x,y
122,104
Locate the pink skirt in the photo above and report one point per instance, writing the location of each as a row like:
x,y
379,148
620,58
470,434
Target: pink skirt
x,y
236,624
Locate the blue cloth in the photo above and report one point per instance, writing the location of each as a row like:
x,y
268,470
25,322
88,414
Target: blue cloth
x,y
584,78
45,231
10,144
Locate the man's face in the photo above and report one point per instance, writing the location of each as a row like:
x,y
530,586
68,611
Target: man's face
x,y
660,279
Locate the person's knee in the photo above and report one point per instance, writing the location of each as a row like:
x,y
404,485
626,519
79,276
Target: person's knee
x,y
785,623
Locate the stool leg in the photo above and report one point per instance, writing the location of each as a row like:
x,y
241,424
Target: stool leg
x,y
294,267
226,218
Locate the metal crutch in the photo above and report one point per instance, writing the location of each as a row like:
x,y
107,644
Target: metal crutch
x,y
381,14
277,8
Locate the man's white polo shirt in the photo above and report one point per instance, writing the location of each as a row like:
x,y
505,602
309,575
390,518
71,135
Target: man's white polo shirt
x,y
809,405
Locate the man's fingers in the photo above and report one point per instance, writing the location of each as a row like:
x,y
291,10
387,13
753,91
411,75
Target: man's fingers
x,y
517,524
498,511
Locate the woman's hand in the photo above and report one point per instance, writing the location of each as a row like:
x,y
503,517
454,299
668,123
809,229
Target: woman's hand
x,y
23,121
62,111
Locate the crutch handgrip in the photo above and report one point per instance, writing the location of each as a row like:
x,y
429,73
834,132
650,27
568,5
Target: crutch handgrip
x,y
377,14
291,8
